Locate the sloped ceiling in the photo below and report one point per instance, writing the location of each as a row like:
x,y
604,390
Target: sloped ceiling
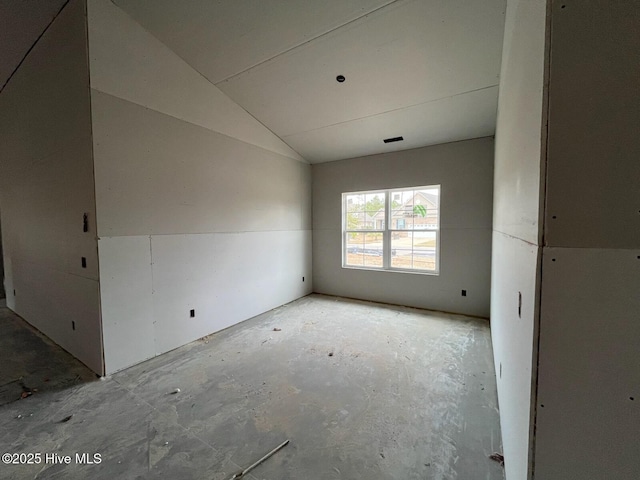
x,y
426,70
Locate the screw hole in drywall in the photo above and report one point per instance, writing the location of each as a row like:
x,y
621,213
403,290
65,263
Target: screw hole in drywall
x,y
303,279
192,313
553,259
542,406
631,398
73,325
464,293
340,78
84,262
563,6
554,217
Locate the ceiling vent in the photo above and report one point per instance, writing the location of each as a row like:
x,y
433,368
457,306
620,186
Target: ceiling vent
x,y
394,139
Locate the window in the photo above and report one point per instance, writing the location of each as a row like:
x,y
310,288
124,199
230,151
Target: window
x,y
395,229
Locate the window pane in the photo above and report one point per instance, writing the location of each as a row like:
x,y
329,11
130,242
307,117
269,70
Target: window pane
x,y
402,209
354,202
355,249
425,208
413,250
373,250
424,250
359,221
374,201
400,220
401,249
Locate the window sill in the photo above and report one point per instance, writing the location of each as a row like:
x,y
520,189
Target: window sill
x,y
433,273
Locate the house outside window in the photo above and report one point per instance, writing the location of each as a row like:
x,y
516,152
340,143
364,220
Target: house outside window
x,y
409,241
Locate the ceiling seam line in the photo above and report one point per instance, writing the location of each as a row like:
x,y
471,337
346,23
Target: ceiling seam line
x,y
284,52
389,111
304,160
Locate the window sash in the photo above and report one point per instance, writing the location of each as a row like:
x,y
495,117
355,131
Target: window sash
x,y
387,232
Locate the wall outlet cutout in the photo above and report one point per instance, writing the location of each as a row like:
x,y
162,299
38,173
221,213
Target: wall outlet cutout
x,y
192,313
84,262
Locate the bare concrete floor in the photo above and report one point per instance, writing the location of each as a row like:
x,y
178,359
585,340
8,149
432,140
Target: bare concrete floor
x,y
362,391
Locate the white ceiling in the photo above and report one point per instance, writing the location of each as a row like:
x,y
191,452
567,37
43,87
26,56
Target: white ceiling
x,y
426,70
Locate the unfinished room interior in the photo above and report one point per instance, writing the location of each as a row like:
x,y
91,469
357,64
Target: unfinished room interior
x,y
339,239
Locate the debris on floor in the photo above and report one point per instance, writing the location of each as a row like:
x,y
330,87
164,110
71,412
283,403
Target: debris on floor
x,y
497,457
174,391
277,329
66,419
242,473
331,354
28,392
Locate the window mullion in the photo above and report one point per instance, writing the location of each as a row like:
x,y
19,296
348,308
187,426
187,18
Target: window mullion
x,y
386,237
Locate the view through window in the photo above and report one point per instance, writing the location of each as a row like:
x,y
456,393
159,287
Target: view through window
x,y
409,241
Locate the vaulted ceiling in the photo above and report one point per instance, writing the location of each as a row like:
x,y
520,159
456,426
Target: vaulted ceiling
x,y
426,70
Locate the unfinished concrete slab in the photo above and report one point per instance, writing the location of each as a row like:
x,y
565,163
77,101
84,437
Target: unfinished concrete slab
x,y
361,390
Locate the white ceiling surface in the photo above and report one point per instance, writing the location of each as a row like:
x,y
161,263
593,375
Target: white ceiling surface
x,y
21,23
417,68
426,70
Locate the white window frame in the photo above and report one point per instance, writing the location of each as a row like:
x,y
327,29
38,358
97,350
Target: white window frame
x,y
387,231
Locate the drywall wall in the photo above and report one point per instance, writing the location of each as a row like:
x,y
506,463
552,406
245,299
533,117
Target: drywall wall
x,y
46,187
2,291
200,207
465,172
516,226
593,198
514,310
589,370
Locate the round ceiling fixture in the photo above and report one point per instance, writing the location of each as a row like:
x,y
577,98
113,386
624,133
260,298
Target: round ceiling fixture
x,y
340,78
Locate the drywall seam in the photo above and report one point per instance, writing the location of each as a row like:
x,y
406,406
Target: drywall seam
x,y
284,52
94,213
202,126
405,107
153,292
544,142
300,157
515,237
33,45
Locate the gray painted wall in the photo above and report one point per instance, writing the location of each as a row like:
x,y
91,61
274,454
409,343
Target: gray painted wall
x,y
465,172
516,226
46,185
589,367
2,291
199,205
